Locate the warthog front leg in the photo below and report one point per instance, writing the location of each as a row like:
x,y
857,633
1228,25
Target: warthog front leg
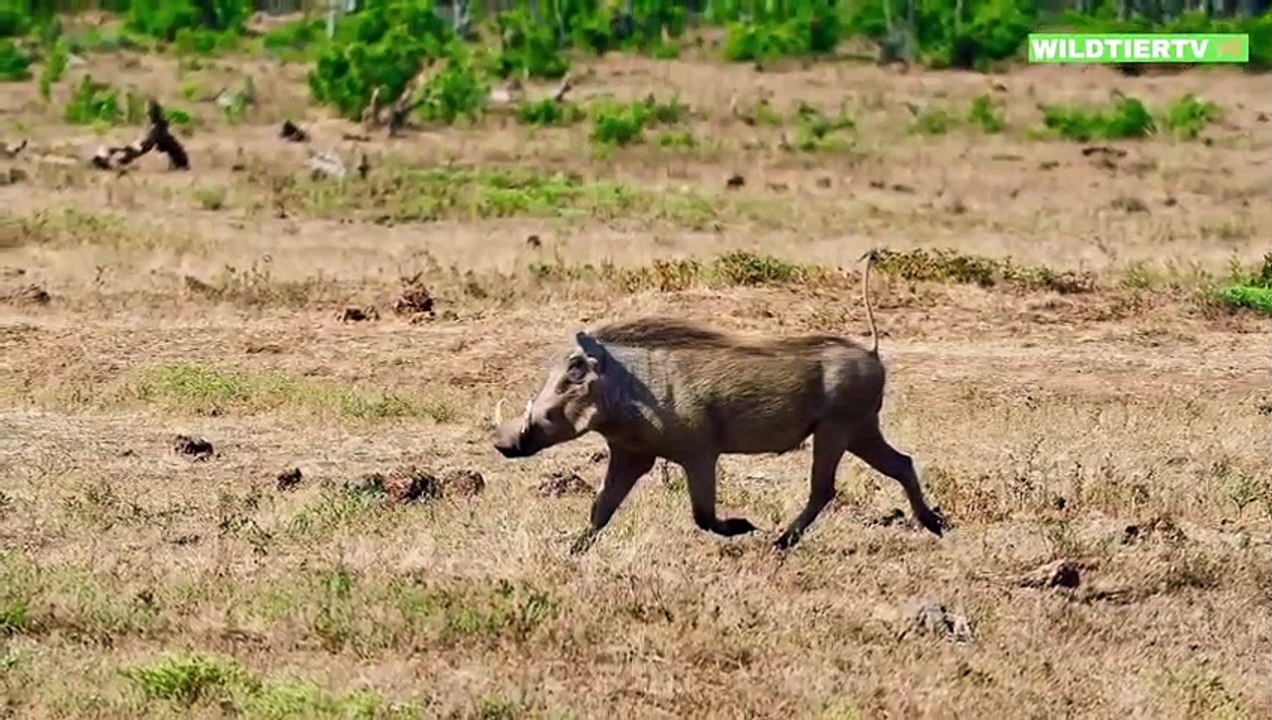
x,y
701,474
624,469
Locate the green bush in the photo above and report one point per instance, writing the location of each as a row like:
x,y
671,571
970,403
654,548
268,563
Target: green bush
x,y
1188,116
528,48
13,22
815,29
455,92
383,46
297,36
1128,119
14,64
164,19
997,31
1250,290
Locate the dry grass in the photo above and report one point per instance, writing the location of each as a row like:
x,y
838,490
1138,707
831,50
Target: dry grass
x,y
1055,371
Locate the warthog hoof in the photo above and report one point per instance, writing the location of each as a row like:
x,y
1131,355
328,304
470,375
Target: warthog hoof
x,y
934,521
729,527
583,542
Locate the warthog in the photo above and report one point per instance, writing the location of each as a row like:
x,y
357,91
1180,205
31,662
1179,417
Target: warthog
x,y
657,387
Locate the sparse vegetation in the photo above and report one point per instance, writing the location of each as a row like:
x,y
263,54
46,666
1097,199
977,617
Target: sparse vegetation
x,y
985,114
94,102
549,112
1188,116
239,404
816,131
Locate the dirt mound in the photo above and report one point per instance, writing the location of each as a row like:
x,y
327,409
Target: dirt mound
x,y
288,479
410,483
26,295
560,484
195,448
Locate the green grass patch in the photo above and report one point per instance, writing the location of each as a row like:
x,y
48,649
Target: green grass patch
x,y
1251,290
1128,118
549,113
407,194
207,390
617,124
195,679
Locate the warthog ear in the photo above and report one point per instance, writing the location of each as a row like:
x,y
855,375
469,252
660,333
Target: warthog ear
x,y
592,350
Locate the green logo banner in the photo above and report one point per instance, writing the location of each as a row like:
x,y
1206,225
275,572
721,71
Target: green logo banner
x,y
1086,48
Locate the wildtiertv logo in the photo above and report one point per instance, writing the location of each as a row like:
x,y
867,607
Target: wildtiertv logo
x,y
1070,48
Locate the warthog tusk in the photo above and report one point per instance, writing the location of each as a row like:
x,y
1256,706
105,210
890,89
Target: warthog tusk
x,y
499,412
525,422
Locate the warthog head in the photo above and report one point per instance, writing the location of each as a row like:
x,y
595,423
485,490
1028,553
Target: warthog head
x,y
570,404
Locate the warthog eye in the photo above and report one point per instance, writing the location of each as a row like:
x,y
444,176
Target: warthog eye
x,y
576,370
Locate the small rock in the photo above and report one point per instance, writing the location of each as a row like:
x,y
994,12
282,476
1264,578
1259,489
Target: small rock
x,y
357,314
562,483
1130,204
534,242
462,482
1161,526
288,479
931,617
293,133
1060,573
195,448
735,181
1104,150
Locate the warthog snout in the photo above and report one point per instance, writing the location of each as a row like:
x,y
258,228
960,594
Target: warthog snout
x,y
519,437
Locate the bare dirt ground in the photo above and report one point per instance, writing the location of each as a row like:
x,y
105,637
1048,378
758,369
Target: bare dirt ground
x,y
1122,431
